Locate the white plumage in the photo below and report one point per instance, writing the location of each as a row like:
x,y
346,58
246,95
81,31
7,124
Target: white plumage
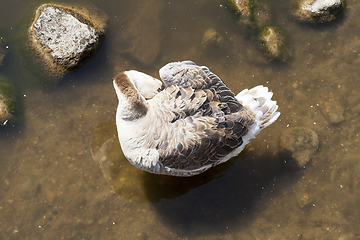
x,y
192,124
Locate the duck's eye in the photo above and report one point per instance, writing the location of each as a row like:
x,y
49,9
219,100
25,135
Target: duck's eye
x,y
160,89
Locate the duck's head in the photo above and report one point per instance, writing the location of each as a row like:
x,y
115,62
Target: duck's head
x,y
146,85
133,88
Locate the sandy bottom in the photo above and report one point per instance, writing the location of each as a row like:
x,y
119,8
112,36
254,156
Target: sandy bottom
x,y
51,187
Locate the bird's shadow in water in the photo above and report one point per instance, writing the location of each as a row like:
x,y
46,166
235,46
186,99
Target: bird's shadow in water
x,y
210,202
226,195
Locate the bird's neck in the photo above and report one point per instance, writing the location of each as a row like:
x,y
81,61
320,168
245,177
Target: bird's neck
x,y
132,105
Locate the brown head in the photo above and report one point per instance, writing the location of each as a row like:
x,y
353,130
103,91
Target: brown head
x,y
132,89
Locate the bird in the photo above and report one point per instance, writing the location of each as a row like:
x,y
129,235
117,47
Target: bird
x,y
187,122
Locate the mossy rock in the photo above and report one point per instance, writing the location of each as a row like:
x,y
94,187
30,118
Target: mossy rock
x,y
252,15
273,41
2,50
9,103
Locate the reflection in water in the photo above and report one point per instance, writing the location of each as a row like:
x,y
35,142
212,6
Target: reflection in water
x,y
130,182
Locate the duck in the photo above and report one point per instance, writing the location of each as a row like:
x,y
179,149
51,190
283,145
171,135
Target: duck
x,y
187,122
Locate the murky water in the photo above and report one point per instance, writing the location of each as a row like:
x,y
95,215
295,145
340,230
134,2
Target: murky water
x,y
51,188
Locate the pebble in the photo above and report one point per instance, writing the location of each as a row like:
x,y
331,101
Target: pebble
x,y
50,196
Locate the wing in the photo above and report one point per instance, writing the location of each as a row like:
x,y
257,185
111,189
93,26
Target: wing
x,y
188,74
203,121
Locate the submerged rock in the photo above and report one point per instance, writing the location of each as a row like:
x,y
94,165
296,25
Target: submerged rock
x,y
252,14
242,10
299,145
141,39
64,37
273,42
5,116
2,50
255,16
212,39
8,101
332,111
317,11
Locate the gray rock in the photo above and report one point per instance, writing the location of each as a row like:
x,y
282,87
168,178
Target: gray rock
x,y
64,37
317,11
332,111
298,145
273,42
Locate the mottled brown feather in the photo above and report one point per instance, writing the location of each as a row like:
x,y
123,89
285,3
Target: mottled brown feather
x,y
219,124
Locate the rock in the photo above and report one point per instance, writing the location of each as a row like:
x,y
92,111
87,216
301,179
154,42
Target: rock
x,y
2,50
241,9
317,11
212,39
273,43
332,111
8,101
64,37
5,116
256,17
298,145
50,196
251,14
141,39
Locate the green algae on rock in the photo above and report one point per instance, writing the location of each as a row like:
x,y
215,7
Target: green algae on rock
x,y
8,101
253,15
2,50
256,17
317,11
63,37
273,42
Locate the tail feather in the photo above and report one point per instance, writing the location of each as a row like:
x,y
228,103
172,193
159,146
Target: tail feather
x,y
258,99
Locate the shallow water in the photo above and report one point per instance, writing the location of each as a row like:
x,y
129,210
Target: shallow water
x,y
51,188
